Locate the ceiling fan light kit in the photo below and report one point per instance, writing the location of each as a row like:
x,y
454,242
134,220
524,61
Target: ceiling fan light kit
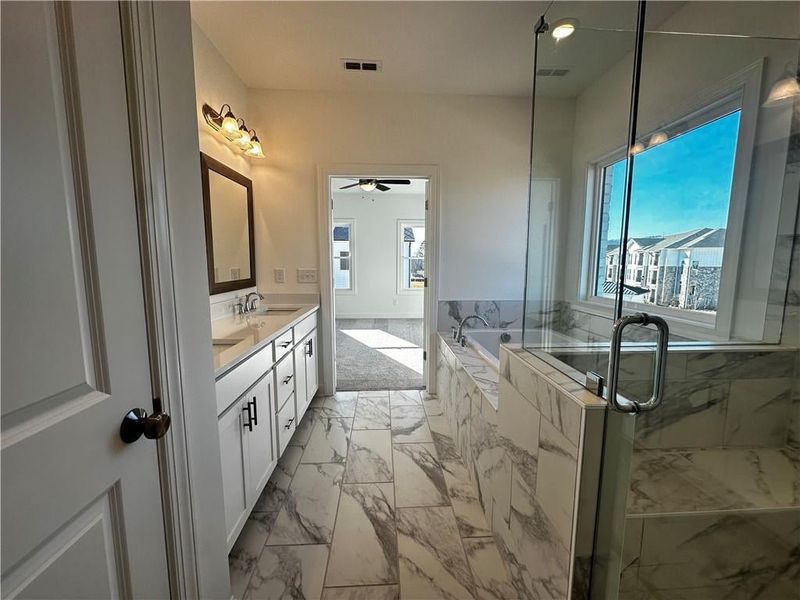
x,y
371,184
234,130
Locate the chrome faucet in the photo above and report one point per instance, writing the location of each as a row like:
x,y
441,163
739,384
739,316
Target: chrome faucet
x,y
249,305
461,339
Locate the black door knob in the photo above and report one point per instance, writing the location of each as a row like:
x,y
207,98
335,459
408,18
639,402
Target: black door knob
x,y
137,423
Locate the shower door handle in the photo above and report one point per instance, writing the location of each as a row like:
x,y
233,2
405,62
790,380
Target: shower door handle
x,y
660,369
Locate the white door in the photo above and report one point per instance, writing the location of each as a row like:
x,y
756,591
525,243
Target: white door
x,y
81,510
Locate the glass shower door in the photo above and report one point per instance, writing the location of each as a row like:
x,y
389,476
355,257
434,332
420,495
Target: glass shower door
x,y
699,495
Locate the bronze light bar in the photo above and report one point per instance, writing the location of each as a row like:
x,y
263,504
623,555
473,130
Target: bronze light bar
x,y
234,130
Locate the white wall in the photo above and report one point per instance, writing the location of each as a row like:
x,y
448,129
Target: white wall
x,y
216,84
376,254
479,143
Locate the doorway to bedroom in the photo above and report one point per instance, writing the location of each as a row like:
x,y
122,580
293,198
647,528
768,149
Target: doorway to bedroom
x,y
379,282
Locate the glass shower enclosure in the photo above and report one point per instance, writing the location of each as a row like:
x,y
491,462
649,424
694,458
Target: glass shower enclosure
x,y
663,273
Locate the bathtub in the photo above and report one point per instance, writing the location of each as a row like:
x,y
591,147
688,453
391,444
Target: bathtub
x,y
486,342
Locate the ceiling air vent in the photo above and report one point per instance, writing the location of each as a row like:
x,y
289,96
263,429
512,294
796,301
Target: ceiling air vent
x,y
549,72
361,64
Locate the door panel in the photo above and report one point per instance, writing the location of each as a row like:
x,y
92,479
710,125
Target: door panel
x,y
301,395
312,366
261,441
81,511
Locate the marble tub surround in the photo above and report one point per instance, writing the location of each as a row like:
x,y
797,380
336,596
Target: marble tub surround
x,y
523,443
500,314
358,512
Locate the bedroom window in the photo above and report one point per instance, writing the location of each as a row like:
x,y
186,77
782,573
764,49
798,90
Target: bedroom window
x,y
343,245
411,271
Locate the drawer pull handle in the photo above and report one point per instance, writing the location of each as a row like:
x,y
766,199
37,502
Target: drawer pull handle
x,y
289,423
255,410
287,379
285,344
310,345
249,423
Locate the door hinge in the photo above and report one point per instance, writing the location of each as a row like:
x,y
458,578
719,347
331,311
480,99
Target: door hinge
x,y
425,282
426,205
424,355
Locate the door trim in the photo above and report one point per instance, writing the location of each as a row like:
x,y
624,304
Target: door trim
x,y
327,326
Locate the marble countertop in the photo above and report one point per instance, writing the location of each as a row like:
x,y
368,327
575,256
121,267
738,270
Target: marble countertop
x,y
238,337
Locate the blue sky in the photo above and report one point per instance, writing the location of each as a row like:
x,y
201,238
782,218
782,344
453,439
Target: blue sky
x,y
682,184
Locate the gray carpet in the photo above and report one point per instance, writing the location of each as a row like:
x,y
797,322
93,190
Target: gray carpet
x,y
362,367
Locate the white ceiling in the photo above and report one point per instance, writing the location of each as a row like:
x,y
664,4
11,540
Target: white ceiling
x,y
426,47
417,186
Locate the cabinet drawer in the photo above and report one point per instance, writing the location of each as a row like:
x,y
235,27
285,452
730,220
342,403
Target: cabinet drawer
x,y
284,381
283,345
235,382
286,425
306,326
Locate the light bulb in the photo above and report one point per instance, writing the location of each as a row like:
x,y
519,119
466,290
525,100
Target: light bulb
x,y
563,28
368,185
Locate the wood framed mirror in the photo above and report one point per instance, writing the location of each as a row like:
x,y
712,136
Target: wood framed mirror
x,y
230,239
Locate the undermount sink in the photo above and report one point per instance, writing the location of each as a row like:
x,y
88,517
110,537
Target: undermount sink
x,y
274,311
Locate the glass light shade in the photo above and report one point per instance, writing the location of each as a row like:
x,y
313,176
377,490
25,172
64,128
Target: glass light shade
x,y
636,148
563,28
368,186
244,138
784,89
229,124
255,148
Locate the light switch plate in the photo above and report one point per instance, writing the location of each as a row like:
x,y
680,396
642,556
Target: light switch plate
x,y
306,276
280,275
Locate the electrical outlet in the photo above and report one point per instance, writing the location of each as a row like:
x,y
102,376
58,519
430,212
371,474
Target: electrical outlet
x,y
306,276
280,275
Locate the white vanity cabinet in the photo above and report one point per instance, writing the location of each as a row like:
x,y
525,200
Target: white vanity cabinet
x,y
260,402
248,452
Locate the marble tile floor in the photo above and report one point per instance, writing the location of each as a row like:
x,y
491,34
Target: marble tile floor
x,y
367,504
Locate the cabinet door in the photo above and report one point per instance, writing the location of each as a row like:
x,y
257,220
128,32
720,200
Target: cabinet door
x,y
235,468
312,365
260,442
300,395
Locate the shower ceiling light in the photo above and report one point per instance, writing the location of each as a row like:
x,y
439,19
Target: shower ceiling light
x,y
234,130
636,148
563,28
786,88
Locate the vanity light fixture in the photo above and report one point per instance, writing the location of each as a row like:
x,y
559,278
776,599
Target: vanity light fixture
x,y
563,28
785,89
234,130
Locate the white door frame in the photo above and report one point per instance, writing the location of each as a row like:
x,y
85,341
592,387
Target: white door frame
x,y
165,155
327,327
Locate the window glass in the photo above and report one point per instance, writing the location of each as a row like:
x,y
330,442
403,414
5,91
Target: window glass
x,y
412,256
675,256
342,256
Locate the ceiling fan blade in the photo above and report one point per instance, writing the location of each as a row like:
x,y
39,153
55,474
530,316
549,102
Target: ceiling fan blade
x,y
383,188
395,181
344,187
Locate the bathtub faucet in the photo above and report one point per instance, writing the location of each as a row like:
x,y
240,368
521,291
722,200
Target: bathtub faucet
x,y
462,339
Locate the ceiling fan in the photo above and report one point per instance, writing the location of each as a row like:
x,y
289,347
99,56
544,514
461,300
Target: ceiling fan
x,y
380,184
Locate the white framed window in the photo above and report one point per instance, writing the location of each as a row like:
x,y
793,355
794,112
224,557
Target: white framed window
x,y
411,256
343,253
692,249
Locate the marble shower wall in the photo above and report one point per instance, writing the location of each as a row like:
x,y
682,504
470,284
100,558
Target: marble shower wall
x,y
500,314
529,459
715,397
